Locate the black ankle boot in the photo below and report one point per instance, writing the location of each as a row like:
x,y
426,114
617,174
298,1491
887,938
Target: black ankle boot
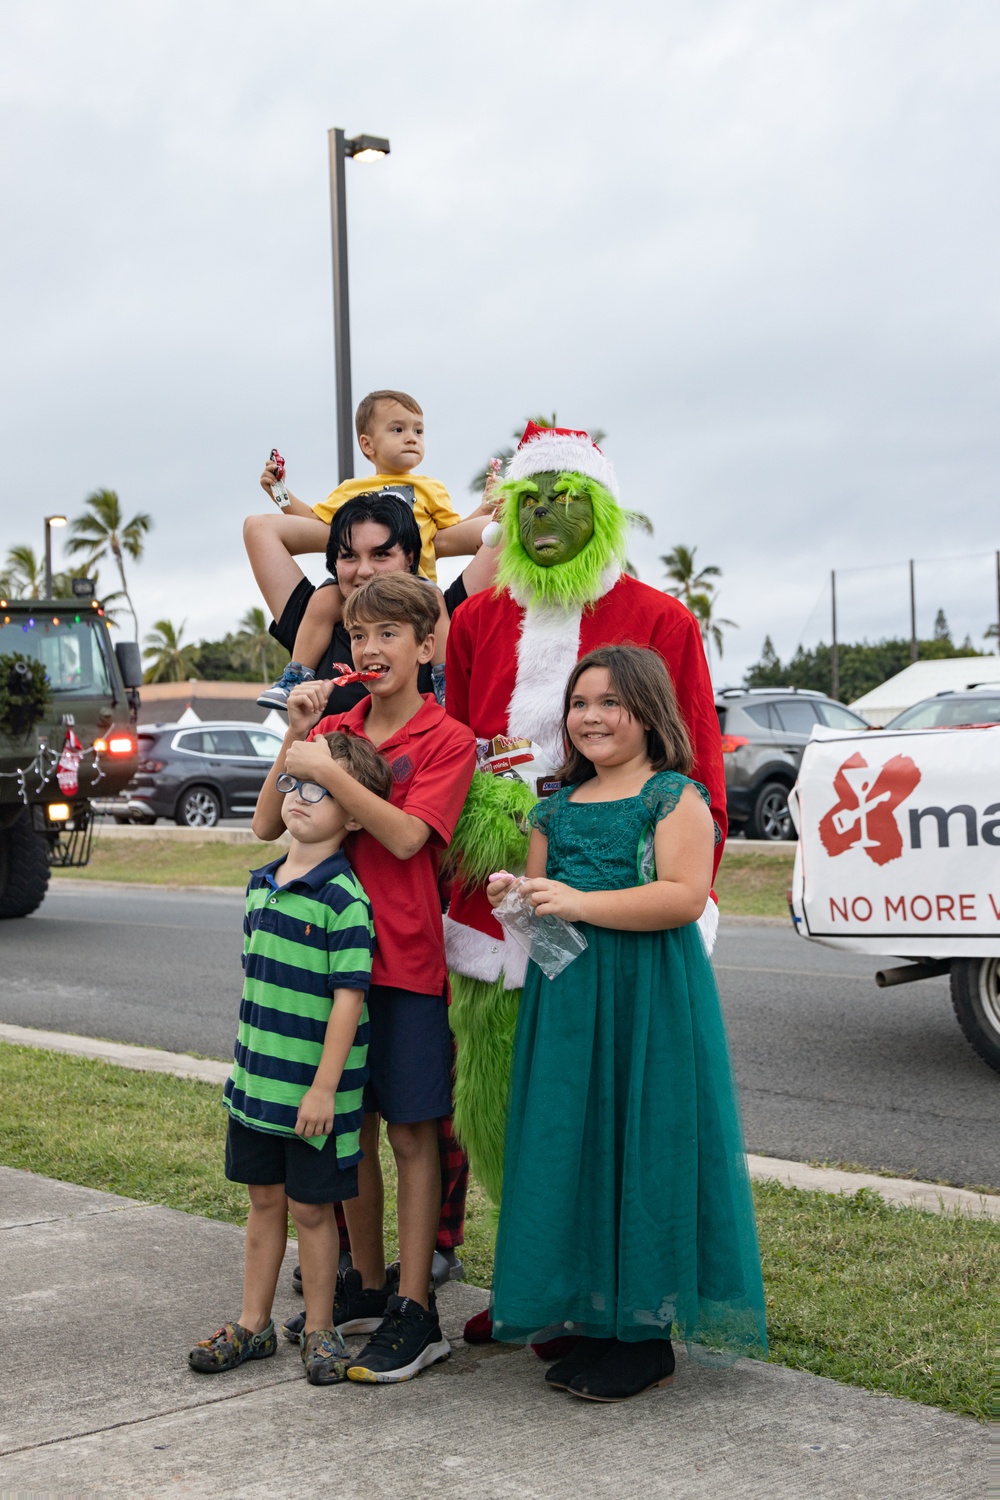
x,y
626,1370
584,1354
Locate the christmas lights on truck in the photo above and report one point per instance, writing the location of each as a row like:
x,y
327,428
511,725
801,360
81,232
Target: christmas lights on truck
x,y
68,705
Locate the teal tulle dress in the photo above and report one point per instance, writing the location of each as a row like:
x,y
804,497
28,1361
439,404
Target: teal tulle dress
x,y
626,1209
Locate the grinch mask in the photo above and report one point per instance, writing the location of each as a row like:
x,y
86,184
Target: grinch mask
x,y
554,522
564,539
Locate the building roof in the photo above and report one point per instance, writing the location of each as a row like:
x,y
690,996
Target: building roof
x,y
924,679
168,702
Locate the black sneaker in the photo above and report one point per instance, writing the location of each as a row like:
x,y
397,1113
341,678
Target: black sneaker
x,y
345,1265
408,1340
356,1309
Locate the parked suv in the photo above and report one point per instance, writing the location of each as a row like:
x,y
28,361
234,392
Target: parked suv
x,y
951,710
764,732
196,773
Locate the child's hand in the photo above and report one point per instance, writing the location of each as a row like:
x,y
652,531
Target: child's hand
x,y
551,898
267,479
307,705
316,1112
498,886
307,759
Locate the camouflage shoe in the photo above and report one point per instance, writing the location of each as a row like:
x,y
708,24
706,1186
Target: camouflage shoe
x,y
324,1357
230,1346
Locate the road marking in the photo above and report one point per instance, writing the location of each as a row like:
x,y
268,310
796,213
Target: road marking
x,y
802,973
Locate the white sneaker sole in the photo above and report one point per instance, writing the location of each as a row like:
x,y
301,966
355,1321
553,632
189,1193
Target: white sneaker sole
x,y
427,1356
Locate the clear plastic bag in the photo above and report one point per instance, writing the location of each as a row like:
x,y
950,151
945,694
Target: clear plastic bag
x,y
549,942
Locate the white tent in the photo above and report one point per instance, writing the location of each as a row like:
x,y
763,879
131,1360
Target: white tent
x,y
189,716
925,679
275,721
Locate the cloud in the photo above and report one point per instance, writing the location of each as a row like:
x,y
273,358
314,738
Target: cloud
x,y
755,241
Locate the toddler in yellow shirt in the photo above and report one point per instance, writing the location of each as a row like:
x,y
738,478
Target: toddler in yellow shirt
x,y
390,428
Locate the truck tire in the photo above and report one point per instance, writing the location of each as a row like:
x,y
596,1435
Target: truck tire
x,y
24,867
975,994
198,807
770,818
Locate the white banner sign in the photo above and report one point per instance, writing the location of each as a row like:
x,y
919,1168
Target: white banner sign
x,y
899,842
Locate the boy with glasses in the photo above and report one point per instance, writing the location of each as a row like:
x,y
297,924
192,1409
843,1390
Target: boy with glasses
x,y
295,1093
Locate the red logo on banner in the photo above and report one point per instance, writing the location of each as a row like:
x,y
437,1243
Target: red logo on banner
x,y
864,817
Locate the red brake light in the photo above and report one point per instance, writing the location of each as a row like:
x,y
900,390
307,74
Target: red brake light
x,y
119,744
151,765
731,742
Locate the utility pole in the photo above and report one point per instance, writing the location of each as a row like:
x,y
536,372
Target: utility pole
x,y
914,649
998,603
834,650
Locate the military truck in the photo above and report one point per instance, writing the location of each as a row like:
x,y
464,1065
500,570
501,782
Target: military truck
x,y
82,743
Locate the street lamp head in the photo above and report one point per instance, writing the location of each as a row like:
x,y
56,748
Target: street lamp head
x,y
55,520
366,147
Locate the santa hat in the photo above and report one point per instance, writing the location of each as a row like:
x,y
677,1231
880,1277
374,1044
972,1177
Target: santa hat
x,y
561,450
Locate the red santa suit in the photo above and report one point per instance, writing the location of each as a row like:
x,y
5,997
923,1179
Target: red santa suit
x,y
506,670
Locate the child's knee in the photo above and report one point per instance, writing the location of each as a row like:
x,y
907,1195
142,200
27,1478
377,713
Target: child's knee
x,y
309,1216
268,1198
412,1141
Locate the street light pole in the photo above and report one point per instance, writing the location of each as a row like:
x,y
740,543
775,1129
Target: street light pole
x,y
834,648
361,148
50,521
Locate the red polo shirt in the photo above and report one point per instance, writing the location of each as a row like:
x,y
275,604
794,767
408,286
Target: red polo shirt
x,y
432,759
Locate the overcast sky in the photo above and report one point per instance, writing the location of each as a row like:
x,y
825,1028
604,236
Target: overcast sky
x,y
753,240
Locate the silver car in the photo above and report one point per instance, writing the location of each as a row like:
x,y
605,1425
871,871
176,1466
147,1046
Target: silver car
x,y
764,732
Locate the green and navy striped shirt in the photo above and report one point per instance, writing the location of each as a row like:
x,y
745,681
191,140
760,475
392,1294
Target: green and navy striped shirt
x,y
301,941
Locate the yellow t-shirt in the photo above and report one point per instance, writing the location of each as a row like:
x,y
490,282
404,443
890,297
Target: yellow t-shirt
x,y
432,508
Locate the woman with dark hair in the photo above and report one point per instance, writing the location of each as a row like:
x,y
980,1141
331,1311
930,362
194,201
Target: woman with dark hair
x,y
373,533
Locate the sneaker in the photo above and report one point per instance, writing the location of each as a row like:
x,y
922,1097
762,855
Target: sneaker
x,y
445,1266
408,1340
345,1265
230,1346
324,1357
356,1308
277,696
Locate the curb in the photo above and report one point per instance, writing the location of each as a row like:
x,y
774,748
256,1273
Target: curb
x,y
900,1191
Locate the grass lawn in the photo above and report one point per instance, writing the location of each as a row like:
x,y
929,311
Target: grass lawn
x,y
752,884
889,1299
749,885
174,862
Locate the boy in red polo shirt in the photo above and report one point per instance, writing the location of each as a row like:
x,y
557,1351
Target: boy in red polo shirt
x,y
391,621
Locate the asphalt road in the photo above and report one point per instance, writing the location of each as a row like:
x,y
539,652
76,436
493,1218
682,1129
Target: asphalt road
x,y
829,1067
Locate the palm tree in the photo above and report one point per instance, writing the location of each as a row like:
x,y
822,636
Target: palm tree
x,y
686,579
23,574
479,482
169,661
711,625
992,633
257,641
105,533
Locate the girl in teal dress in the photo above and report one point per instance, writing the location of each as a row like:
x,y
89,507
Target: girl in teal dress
x,y
626,1215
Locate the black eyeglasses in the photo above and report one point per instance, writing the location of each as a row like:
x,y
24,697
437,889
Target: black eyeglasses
x,y
309,791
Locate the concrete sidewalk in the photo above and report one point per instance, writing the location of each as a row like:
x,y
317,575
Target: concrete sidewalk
x,y
102,1297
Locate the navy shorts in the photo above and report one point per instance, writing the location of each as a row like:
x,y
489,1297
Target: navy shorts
x,y
260,1159
409,1056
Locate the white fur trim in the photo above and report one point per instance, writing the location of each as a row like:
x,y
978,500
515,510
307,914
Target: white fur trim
x,y
551,453
472,953
547,652
708,925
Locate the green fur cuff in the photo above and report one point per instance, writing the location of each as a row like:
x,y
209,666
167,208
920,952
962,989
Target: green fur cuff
x,y
492,832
